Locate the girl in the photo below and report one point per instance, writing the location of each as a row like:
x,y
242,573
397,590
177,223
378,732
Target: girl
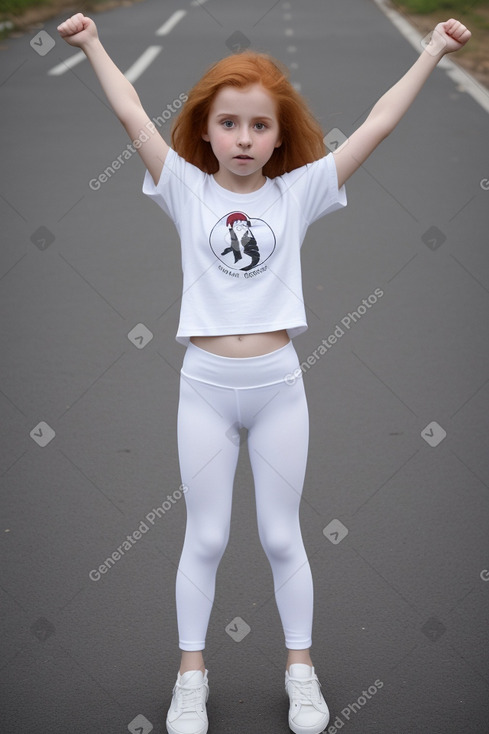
x,y
246,174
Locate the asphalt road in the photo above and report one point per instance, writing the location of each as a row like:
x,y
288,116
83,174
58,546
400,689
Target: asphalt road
x,y
396,502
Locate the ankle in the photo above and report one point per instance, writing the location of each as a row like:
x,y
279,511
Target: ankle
x,y
192,661
299,656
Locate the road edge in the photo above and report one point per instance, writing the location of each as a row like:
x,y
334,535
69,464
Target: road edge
x,y
463,79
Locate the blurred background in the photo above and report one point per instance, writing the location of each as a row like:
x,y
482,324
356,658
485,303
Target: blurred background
x,y
18,16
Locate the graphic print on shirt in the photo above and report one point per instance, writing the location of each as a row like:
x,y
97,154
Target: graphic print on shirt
x,y
241,242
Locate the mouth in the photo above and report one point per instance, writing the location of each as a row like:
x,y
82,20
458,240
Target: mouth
x,y
244,157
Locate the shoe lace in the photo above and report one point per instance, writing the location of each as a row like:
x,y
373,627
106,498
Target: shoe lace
x,y
189,698
305,691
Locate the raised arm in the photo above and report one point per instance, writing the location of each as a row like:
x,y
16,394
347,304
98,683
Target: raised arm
x,y
81,32
386,113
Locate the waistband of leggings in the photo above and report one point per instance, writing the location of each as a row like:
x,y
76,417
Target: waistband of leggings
x,y
281,365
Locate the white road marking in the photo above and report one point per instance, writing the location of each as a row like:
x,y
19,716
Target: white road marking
x,y
67,64
141,64
465,81
171,22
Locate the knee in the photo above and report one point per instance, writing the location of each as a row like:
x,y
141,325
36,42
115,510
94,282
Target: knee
x,y
279,543
209,543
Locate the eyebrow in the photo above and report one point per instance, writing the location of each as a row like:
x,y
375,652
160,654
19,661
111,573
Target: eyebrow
x,y
232,114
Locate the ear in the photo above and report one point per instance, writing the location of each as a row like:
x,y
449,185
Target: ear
x,y
278,143
205,136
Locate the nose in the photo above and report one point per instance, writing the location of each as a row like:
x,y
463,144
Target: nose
x,y
244,138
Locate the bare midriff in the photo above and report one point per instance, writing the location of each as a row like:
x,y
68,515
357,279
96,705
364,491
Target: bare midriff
x,y
242,345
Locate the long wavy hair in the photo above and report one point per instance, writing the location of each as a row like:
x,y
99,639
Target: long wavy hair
x,y
301,134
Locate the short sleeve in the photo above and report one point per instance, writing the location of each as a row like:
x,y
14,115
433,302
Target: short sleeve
x,y
178,179
315,187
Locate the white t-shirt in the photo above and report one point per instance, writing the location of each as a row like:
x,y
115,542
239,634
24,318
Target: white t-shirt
x,y
241,252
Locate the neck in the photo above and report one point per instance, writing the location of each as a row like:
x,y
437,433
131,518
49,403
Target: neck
x,y
240,184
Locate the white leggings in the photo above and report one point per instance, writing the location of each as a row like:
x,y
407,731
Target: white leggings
x,y
218,396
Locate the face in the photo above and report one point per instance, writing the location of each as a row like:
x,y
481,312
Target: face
x,y
240,227
243,129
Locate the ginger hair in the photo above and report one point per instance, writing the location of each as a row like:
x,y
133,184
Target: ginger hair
x,y
301,134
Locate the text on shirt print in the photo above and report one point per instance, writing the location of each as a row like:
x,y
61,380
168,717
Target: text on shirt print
x,y
242,243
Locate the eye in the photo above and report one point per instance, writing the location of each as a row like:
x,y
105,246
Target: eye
x,y
227,124
260,125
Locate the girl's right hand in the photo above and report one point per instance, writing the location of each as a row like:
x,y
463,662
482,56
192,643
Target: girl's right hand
x,y
78,30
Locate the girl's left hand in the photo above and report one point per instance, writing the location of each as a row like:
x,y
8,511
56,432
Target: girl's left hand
x,y
449,36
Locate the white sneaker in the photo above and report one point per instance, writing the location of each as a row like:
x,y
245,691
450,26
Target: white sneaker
x,y
308,712
187,713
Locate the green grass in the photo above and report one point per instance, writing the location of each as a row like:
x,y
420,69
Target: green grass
x,y
15,7
432,6
11,11
474,13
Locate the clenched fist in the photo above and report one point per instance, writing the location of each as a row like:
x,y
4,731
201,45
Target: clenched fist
x,y
78,30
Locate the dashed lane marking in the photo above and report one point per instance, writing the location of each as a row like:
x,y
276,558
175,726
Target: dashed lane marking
x,y
141,64
67,64
171,22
